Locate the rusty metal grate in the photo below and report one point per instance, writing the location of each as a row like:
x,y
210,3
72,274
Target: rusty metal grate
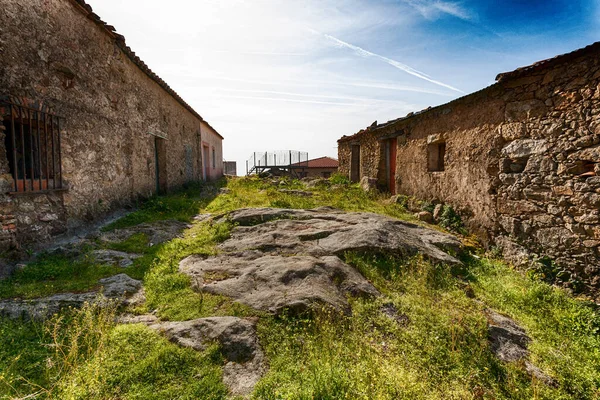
x,y
32,142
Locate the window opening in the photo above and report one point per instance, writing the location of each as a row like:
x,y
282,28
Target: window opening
x,y
435,156
32,143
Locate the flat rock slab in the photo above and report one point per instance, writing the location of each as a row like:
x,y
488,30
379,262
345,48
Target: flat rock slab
x,y
158,232
281,259
509,341
275,283
245,360
328,231
117,288
114,257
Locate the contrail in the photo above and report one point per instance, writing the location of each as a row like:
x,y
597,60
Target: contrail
x,y
365,53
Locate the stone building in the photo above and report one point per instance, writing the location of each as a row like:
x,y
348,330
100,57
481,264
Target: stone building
x,y
519,159
321,167
85,125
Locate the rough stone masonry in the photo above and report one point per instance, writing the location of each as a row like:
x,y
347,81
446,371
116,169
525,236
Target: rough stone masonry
x,y
124,133
519,159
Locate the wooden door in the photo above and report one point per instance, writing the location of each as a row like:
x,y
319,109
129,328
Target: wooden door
x,y
355,164
392,151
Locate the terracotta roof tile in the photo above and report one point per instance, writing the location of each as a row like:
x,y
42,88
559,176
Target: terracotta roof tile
x,y
321,162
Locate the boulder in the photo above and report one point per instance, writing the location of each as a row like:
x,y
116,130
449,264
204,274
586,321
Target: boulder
x,y
368,184
118,288
424,216
278,259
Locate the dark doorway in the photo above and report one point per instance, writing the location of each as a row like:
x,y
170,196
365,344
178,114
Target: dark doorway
x,y
355,163
160,157
390,164
206,162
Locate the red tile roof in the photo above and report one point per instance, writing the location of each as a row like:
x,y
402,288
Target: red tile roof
x,y
321,162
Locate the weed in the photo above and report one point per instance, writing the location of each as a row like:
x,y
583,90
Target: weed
x,y
339,179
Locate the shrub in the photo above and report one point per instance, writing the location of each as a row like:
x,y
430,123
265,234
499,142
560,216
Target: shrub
x,y
450,219
339,179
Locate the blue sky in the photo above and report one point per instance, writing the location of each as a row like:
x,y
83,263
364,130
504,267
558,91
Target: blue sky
x,y
291,74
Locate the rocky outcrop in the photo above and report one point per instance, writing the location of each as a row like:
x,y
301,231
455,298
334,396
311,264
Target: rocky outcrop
x,y
157,232
509,341
114,257
245,360
118,288
281,259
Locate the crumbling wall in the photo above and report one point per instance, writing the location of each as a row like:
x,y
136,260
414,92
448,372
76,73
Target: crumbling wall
x,y
548,185
55,54
521,164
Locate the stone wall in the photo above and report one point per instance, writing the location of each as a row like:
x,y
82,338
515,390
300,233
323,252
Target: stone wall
x,y
54,52
211,139
521,164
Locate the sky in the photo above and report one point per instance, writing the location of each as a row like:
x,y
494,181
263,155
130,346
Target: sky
x,y
299,74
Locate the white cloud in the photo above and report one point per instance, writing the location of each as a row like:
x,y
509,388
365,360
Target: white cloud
x,y
365,53
435,9
252,70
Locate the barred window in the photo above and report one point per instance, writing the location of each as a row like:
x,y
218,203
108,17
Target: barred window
x,y
32,142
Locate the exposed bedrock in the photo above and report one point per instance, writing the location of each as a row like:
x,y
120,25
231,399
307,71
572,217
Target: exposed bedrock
x,y
279,259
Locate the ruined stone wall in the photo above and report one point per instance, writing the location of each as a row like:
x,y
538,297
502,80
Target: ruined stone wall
x,y
548,185
522,164
53,53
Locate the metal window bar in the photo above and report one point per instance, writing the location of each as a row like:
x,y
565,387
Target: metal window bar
x,y
32,171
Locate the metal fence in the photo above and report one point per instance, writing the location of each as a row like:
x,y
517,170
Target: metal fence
x,y
283,159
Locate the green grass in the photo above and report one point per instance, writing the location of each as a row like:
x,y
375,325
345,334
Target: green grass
x,y
51,274
441,352
137,363
83,354
181,206
169,292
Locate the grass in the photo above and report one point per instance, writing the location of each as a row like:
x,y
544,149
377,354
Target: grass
x,y
54,273
440,352
84,354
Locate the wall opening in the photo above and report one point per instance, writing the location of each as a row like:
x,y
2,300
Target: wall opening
x,y
436,154
160,162
391,148
355,163
32,143
205,152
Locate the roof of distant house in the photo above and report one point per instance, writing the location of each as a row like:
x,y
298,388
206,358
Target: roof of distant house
x,y
120,41
500,78
321,162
